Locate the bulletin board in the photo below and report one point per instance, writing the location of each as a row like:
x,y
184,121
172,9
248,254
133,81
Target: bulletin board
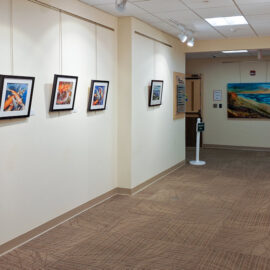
x,y
179,95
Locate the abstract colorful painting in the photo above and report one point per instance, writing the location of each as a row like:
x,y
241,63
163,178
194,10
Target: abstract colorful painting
x,y
16,96
98,95
248,100
64,92
156,93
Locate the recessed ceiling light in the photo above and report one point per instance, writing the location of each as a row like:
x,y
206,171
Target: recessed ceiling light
x,y
236,51
223,21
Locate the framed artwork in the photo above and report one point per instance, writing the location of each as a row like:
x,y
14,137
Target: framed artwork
x,y
98,95
16,96
63,93
248,100
156,93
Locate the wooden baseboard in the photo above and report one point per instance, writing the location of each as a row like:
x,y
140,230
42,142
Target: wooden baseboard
x,y
233,147
157,177
28,236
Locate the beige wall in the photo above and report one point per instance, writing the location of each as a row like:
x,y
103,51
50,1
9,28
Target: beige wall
x,y
216,74
229,44
158,141
54,162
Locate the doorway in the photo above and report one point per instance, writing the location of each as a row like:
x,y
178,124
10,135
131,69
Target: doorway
x,y
193,107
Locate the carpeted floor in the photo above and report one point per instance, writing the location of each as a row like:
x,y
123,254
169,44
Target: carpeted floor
x,y
212,217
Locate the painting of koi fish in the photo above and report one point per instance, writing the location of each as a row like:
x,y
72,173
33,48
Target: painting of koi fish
x,y
98,95
63,93
16,96
15,99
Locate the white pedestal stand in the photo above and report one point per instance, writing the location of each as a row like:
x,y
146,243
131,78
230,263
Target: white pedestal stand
x,y
198,162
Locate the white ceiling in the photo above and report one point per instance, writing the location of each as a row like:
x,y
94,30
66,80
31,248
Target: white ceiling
x,y
165,14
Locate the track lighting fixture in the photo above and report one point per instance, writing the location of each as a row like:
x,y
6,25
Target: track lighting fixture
x,y
190,42
120,5
183,37
185,34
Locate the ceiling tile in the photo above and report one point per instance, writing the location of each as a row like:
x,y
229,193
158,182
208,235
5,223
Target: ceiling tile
x,y
217,12
251,1
130,10
261,19
146,17
208,4
211,34
255,9
154,6
98,2
165,27
237,31
182,17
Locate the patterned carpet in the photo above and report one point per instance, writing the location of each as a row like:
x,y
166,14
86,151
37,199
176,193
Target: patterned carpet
x,y
214,217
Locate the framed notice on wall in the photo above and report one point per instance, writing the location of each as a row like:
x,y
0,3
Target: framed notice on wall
x,y
179,96
217,95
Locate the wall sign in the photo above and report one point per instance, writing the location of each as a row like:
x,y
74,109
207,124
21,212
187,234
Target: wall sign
x,y
217,94
181,95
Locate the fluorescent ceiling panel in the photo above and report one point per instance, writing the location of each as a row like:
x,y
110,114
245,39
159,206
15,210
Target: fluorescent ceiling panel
x,y
224,21
236,51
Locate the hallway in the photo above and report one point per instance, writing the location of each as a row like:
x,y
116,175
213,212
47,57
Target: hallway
x,y
211,217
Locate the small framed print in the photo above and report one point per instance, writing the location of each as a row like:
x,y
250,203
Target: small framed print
x,y
98,95
16,96
156,93
63,93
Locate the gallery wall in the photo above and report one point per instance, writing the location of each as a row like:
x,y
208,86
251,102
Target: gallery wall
x,y
51,163
216,74
158,141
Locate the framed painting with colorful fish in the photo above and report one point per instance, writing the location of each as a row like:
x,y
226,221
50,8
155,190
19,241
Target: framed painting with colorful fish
x,y
15,96
63,93
98,95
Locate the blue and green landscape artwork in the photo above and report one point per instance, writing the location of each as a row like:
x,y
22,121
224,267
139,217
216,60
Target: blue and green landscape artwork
x,y
248,100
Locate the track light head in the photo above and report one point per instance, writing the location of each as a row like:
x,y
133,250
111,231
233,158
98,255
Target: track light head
x,y
190,42
183,37
120,5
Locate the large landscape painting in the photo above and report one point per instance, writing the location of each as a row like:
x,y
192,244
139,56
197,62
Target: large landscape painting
x,y
248,100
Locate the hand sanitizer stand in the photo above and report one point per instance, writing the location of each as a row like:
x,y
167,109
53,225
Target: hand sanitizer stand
x,y
199,128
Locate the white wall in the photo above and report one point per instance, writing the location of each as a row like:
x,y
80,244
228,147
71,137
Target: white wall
x,y
53,162
219,129
158,141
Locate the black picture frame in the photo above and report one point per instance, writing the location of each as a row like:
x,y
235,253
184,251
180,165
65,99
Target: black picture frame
x,y
63,107
10,114
92,107
152,102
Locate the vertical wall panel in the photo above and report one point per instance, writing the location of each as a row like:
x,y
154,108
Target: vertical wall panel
x,y
53,162
5,49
